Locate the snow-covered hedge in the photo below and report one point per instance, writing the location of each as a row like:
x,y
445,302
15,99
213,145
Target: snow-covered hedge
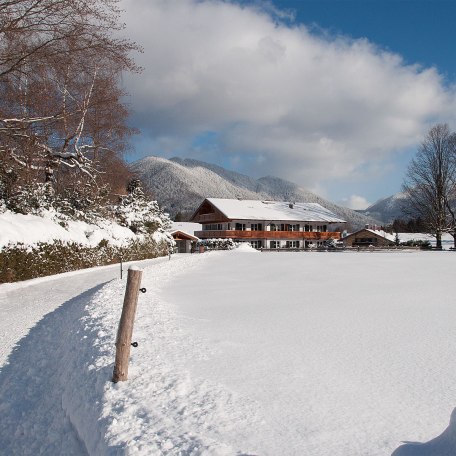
x,y
23,262
42,233
422,244
217,244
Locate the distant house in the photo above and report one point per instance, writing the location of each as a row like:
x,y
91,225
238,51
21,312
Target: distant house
x,y
267,224
185,242
369,236
183,234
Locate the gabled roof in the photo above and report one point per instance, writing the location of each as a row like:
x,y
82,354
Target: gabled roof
x,y
182,235
379,233
273,210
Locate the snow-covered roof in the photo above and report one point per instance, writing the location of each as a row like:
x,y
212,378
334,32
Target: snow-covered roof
x,y
273,210
185,227
389,236
184,233
381,233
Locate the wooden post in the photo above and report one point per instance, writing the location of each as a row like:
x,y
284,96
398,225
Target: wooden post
x,y
127,319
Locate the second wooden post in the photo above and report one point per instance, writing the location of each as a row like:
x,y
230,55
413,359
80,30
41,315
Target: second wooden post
x,y
125,331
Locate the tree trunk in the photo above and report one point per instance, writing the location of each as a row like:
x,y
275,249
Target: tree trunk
x,y
438,237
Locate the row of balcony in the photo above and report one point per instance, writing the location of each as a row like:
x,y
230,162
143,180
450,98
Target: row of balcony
x,y
285,235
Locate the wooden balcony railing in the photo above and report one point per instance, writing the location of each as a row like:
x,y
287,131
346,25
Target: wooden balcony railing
x,y
284,235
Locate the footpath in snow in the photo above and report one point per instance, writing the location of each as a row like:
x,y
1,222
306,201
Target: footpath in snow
x,y
240,353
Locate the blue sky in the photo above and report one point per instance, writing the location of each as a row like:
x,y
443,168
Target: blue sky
x,y
334,95
420,30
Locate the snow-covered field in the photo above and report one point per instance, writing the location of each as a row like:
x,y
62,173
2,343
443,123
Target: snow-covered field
x,y
241,352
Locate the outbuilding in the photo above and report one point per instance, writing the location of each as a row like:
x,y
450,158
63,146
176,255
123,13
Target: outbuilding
x,y
185,242
369,236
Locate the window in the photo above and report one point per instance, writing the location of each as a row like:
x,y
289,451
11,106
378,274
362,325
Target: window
x,y
308,228
240,227
256,244
213,226
294,227
292,244
273,227
274,244
256,227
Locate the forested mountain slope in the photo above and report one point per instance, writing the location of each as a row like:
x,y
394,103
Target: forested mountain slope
x,y
180,185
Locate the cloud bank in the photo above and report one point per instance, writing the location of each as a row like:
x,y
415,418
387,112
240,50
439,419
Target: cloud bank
x,y
230,83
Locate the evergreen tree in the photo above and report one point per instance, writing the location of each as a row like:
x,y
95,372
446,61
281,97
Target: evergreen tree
x,y
141,215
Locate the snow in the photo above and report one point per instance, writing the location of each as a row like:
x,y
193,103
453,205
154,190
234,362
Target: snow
x,y
31,229
186,227
293,353
389,236
245,247
443,445
447,239
273,210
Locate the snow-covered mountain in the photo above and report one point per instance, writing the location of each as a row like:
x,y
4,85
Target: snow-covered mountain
x,y
180,185
387,209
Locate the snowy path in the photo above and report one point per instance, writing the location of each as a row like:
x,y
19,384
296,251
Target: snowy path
x,y
36,317
23,304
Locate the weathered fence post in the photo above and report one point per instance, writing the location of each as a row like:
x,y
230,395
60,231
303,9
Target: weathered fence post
x,y
127,319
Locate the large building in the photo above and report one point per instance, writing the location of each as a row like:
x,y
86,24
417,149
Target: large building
x,y
267,224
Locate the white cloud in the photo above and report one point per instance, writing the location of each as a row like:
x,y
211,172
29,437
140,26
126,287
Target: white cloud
x,y
356,202
282,100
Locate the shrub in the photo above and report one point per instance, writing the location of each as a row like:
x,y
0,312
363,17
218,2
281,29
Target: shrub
x,y
424,245
21,262
217,244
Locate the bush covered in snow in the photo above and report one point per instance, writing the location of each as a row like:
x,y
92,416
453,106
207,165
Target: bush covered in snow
x,y
422,244
34,198
138,213
23,262
51,227
217,244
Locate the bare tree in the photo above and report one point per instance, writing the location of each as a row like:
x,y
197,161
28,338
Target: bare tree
x,y
60,65
430,182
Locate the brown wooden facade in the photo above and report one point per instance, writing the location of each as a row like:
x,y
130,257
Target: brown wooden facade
x,y
285,235
366,238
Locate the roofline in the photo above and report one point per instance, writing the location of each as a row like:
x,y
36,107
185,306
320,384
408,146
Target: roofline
x,y
268,201
214,206
184,232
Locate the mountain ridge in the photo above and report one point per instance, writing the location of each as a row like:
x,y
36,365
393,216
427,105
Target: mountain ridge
x,y
387,209
181,184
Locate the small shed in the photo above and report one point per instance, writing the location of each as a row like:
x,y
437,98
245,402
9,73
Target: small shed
x,y
185,242
369,237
